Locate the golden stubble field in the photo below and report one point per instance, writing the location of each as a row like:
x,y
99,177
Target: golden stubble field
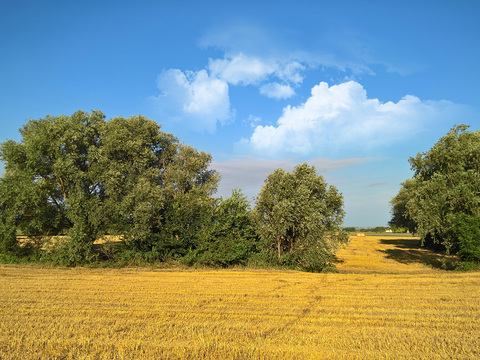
x,y
390,300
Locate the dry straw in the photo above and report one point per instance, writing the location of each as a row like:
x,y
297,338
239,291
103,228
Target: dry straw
x,y
390,308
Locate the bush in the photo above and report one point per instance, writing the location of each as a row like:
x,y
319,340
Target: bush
x,y
77,249
229,239
9,259
468,266
466,231
223,251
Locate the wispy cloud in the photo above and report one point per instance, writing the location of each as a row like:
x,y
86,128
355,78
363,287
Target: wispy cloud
x,y
335,47
241,37
377,183
241,69
253,120
249,173
277,91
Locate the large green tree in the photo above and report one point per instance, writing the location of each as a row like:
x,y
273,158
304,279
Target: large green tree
x,y
84,176
445,188
299,217
52,181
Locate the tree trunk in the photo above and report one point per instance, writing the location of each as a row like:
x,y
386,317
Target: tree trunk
x,y
279,246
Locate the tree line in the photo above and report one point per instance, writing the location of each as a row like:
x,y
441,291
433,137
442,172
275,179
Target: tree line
x,y
71,180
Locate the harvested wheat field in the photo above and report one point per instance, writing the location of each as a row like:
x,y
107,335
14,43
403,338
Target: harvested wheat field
x,y
384,304
390,254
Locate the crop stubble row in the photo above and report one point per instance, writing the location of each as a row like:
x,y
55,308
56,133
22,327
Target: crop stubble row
x,y
129,314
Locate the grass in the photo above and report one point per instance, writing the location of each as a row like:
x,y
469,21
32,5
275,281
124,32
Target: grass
x,y
383,304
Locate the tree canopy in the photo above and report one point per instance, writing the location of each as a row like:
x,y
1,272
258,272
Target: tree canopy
x,y
299,217
84,176
444,189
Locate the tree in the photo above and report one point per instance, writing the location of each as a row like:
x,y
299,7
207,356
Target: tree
x,y
299,217
52,175
83,176
445,184
134,155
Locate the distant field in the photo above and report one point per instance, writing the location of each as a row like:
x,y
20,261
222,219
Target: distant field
x,y
391,300
25,240
391,253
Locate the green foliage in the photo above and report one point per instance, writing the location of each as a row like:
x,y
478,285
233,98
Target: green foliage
x,y
298,217
8,258
400,218
378,229
399,229
83,176
134,156
445,185
189,186
8,233
466,231
230,237
468,266
51,169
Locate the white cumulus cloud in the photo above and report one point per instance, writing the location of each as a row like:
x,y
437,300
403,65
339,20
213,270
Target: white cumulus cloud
x,y
277,91
343,115
195,98
200,99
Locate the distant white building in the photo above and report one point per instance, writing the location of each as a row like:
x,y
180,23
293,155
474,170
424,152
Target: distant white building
x,y
388,230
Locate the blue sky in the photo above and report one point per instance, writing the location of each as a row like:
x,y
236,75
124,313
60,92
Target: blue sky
x,y
352,87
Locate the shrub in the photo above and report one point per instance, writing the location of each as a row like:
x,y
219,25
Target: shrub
x,y
466,231
468,266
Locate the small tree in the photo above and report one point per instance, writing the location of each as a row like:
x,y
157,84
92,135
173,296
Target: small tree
x,y
188,187
229,238
299,217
